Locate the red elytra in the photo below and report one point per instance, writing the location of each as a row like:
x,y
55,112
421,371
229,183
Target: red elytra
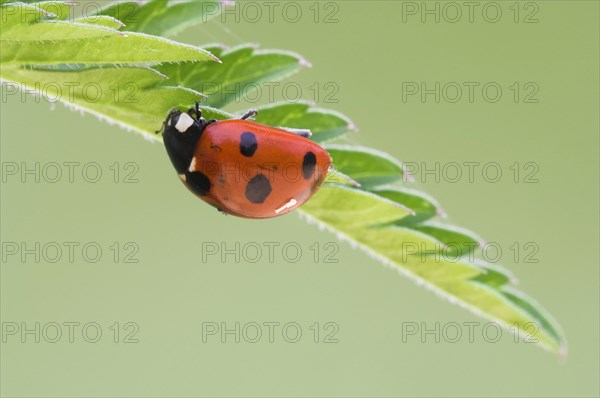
x,y
244,168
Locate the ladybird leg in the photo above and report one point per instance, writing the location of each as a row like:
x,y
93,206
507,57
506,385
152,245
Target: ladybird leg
x,y
198,110
195,112
249,114
306,133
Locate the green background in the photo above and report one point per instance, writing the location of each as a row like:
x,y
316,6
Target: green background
x,y
170,292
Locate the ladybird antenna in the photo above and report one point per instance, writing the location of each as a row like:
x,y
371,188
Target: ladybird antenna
x,y
162,127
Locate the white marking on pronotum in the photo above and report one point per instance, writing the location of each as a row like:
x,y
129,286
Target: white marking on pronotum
x,y
291,203
184,122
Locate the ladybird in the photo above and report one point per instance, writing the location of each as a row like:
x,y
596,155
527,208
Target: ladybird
x,y
242,167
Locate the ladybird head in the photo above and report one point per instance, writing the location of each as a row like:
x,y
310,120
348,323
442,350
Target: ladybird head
x,y
181,133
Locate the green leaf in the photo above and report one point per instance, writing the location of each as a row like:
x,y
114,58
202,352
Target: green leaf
x,y
372,209
339,178
460,242
132,97
367,166
67,54
494,275
424,206
481,289
114,48
76,63
101,20
59,9
47,31
17,14
162,17
241,72
29,36
324,124
542,319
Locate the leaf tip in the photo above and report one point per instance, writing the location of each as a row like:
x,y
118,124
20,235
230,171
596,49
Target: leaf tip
x,y
305,63
214,57
227,3
563,351
410,178
348,179
439,211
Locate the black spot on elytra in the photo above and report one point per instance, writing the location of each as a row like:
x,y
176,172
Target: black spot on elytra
x,y
308,165
258,189
248,144
198,182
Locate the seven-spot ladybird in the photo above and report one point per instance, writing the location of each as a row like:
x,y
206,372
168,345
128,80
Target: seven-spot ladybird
x,y
244,168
